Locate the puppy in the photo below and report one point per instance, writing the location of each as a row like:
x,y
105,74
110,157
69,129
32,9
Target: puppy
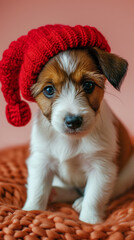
x,y
77,143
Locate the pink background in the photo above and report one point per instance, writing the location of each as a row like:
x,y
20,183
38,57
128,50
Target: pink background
x,y
114,18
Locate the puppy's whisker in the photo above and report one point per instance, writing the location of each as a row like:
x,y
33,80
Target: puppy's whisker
x,y
114,96
49,126
79,92
101,117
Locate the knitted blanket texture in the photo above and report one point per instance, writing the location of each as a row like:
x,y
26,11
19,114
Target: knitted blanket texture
x,y
59,221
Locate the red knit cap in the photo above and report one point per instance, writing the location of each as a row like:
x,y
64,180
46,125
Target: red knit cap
x,y
24,59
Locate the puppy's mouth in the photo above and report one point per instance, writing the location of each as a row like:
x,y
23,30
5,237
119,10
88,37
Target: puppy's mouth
x,y
72,132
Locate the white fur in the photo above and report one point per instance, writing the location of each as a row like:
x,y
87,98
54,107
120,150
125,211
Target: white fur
x,y
66,62
83,159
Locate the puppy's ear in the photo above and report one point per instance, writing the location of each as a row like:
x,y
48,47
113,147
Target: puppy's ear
x,y
112,66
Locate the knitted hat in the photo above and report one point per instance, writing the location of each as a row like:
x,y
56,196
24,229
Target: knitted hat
x,y
24,59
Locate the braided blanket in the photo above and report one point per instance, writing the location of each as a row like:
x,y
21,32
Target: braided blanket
x,y
60,221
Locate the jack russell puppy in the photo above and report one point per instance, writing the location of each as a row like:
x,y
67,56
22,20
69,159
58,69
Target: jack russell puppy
x,y
77,143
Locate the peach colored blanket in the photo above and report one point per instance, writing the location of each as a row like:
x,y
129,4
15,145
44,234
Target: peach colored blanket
x,y
60,221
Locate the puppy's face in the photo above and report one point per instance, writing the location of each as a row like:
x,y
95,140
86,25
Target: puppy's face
x,y
69,91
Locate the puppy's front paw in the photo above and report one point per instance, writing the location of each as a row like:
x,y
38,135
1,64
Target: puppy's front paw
x,y
29,207
91,217
77,205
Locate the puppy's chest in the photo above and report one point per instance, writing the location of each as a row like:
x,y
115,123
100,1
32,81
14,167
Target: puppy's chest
x,y
72,171
71,162
64,149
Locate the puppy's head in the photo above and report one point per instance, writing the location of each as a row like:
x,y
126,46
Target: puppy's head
x,y
70,87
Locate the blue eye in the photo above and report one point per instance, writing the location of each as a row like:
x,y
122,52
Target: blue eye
x,y
49,91
88,86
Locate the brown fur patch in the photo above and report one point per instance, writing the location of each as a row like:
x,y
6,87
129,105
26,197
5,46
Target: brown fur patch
x,y
125,145
45,105
50,75
54,74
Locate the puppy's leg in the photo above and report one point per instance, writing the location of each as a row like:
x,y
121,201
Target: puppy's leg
x,y
77,205
39,182
64,195
61,192
99,188
125,179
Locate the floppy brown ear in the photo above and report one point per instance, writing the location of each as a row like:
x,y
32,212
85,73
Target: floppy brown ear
x,y
112,66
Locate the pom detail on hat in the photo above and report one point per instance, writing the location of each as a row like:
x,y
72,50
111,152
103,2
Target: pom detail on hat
x,y
18,114
24,59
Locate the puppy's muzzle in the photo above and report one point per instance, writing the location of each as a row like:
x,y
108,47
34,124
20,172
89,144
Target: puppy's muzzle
x,y
73,121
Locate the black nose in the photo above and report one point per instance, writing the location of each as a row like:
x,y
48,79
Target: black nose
x,y
73,122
